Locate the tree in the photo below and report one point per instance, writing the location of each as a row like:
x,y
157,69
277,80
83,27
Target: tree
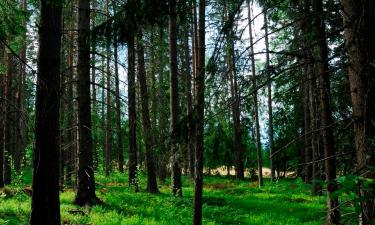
x,y
322,72
255,98
174,100
235,98
86,181
149,142
45,207
108,127
359,21
132,112
269,89
199,126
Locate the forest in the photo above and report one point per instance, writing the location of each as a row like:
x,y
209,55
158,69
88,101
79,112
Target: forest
x,y
187,112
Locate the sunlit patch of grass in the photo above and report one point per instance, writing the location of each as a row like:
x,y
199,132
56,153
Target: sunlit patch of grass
x,y
225,201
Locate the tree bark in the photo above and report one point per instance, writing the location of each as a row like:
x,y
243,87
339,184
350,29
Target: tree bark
x,y
149,143
132,115
174,101
71,149
199,126
107,145
9,107
235,98
86,181
45,208
359,23
163,114
322,71
2,118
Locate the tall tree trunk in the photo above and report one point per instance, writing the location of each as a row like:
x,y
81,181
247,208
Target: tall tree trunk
x,y
45,206
199,126
9,107
269,89
2,118
255,97
194,46
20,117
234,98
188,97
71,149
107,145
322,71
132,115
163,114
93,89
120,141
149,143
174,101
359,23
307,170
86,181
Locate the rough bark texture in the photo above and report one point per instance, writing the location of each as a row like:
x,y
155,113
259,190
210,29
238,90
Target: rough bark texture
x,y
86,181
359,23
149,142
174,101
322,72
45,208
199,126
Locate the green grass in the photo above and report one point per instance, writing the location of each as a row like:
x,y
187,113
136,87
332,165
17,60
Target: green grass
x,y
225,202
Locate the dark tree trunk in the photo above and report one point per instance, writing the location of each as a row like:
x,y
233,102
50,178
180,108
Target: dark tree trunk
x,y
255,97
322,71
2,118
45,208
93,89
71,131
359,23
199,126
149,142
189,99
235,98
86,181
174,101
132,115
108,128
163,114
307,170
8,125
194,45
20,127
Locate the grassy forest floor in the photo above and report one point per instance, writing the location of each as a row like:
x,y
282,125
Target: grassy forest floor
x,y
225,202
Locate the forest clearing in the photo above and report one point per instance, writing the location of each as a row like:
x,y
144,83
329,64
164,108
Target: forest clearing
x,y
187,112
225,201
